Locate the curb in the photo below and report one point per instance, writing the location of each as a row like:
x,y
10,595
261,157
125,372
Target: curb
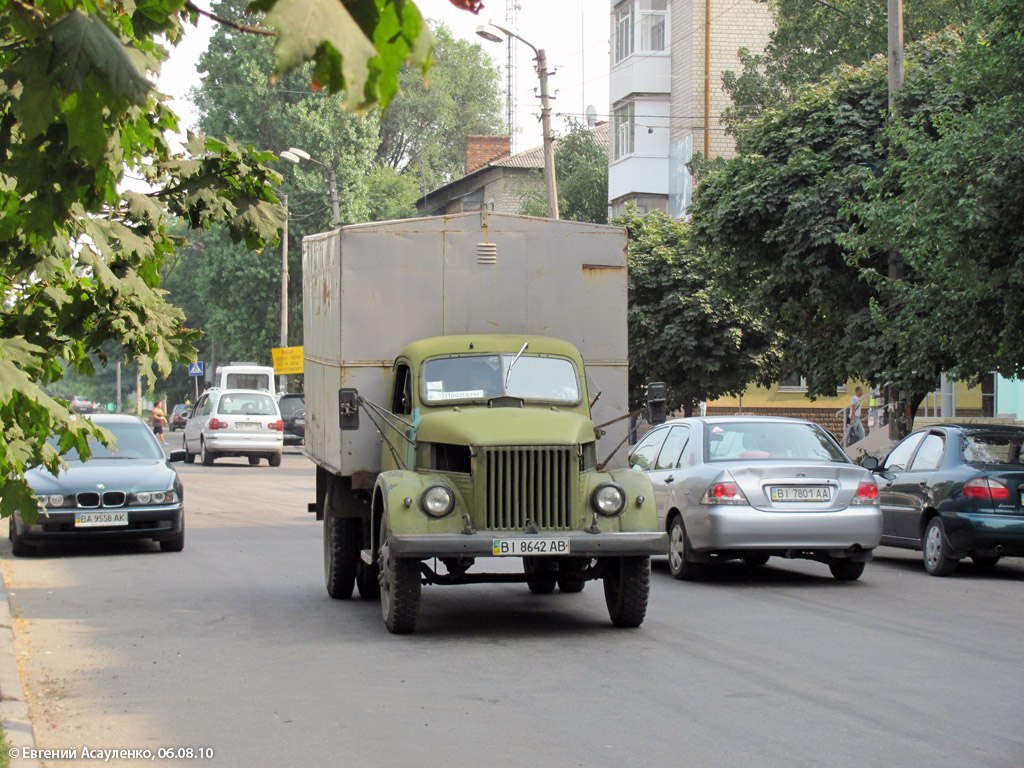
x,y
13,708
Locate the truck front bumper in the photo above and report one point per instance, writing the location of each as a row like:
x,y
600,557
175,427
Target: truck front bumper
x,y
482,544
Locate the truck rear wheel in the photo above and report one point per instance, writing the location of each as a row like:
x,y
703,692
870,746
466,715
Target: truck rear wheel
x,y
627,584
341,555
399,587
540,574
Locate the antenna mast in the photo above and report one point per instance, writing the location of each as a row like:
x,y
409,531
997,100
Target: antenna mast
x,y
511,9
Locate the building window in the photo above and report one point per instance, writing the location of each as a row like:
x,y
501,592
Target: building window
x,y
652,25
623,31
624,130
794,382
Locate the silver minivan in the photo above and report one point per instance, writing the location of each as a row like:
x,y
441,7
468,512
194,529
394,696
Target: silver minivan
x,y
235,422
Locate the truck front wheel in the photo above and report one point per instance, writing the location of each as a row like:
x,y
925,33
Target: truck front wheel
x,y
341,554
627,584
399,587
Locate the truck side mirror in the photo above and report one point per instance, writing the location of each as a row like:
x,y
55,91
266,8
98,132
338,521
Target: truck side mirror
x,y
348,408
657,396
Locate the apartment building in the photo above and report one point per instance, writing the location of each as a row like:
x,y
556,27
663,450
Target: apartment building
x,y
667,62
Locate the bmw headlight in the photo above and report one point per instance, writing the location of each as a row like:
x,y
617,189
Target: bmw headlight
x,y
142,498
437,501
608,500
54,500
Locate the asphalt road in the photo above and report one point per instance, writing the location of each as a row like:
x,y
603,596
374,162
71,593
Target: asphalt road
x,y
234,645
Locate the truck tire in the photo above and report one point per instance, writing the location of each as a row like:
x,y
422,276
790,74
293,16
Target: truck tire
x,y
570,569
399,587
627,584
341,554
540,574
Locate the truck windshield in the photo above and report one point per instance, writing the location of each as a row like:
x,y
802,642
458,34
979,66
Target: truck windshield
x,y
481,377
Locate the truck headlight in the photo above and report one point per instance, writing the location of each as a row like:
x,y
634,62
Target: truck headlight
x,y
437,501
608,500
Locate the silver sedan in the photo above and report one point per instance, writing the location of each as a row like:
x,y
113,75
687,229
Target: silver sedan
x,y
753,487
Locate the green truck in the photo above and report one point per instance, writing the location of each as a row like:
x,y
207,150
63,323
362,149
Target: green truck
x,y
453,424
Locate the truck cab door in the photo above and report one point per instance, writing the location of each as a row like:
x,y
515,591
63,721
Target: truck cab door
x,y
402,406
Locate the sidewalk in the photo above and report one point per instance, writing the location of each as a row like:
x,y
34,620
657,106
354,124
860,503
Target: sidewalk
x,y
13,709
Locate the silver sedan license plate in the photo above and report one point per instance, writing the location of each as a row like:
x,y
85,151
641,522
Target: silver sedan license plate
x,y
533,545
94,519
800,493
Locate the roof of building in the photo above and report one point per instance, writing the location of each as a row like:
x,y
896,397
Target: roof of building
x,y
528,159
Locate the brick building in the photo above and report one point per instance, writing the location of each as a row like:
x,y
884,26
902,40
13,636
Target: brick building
x,y
667,62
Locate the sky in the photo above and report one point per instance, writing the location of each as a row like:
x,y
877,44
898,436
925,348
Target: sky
x,y
573,34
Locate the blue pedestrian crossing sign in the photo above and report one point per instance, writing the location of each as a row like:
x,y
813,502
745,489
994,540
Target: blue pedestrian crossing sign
x,y
196,368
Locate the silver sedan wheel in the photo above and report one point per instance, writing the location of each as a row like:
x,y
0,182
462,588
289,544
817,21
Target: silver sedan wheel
x,y
680,561
676,548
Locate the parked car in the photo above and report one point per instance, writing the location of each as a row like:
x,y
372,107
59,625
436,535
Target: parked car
x,y
293,414
756,487
234,422
81,404
954,491
128,491
178,417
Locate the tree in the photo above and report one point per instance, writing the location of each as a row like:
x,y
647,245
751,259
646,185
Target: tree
x,y
813,37
424,132
951,203
581,172
824,190
238,96
684,329
79,259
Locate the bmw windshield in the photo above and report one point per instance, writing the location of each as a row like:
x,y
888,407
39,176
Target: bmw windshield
x,y
482,377
134,441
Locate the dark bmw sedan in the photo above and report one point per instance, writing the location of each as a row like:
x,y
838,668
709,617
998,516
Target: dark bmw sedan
x,y
127,491
954,491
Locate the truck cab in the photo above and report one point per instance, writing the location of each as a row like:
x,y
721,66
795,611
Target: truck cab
x,y
488,450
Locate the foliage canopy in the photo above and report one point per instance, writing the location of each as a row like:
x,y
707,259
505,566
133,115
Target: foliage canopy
x,y
80,252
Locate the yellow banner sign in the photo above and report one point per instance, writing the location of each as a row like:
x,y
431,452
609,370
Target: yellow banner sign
x,y
287,360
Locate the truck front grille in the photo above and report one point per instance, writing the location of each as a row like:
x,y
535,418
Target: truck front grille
x,y
525,486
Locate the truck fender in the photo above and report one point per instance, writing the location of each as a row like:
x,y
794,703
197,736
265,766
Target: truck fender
x,y
397,493
641,512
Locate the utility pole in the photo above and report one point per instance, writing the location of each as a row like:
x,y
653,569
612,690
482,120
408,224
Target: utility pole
x,y
283,380
549,136
895,52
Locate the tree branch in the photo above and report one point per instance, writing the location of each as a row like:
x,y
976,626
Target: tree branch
x,y
227,22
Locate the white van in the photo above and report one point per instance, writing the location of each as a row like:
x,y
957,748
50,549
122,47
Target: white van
x,y
244,376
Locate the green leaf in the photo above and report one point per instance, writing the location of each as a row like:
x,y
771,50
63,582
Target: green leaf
x,y
83,45
306,28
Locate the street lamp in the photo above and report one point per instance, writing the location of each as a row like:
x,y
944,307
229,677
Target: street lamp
x,y
296,155
494,32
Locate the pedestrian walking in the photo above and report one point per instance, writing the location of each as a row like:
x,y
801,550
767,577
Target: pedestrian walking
x,y
856,432
159,417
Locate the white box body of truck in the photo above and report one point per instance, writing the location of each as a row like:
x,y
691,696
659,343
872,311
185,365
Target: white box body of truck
x,y
370,289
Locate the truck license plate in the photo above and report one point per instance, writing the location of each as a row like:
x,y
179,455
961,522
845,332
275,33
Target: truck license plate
x,y
91,519
534,545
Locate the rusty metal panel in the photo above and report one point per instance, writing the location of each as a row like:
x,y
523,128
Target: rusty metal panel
x,y
370,289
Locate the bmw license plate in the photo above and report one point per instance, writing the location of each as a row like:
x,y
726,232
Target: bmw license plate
x,y
533,545
95,519
800,493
